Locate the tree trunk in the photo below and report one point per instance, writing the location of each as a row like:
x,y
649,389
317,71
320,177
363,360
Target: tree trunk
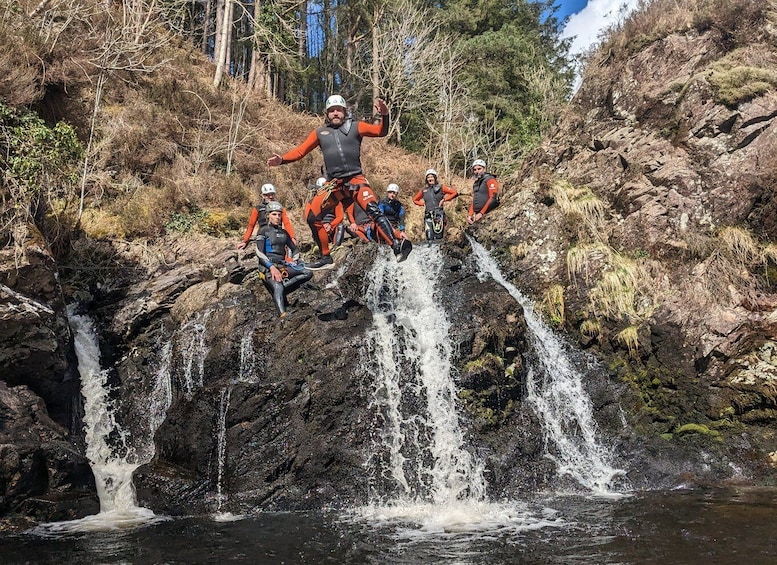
x,y
222,35
206,25
374,73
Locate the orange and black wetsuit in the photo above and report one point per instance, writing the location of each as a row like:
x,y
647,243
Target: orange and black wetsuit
x,y
341,148
431,196
360,224
331,215
259,216
485,191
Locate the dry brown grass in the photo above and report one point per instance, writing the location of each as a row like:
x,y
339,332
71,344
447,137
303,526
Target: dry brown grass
x,y
583,207
553,304
735,21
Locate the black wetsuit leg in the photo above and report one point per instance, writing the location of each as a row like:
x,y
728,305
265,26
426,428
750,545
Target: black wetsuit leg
x,y
296,279
278,292
381,221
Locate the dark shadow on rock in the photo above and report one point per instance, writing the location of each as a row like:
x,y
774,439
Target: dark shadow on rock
x,y
340,313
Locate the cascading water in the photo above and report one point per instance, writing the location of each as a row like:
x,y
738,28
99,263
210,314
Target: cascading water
x,y
113,462
193,351
411,353
555,389
421,471
246,374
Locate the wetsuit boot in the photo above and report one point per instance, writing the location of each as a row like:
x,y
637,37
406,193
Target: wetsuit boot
x,y
401,247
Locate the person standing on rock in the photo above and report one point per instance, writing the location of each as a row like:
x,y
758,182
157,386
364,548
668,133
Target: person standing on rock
x,y
273,244
258,217
485,192
433,196
340,140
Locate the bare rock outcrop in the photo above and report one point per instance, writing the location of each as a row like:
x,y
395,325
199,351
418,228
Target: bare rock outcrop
x,y
653,206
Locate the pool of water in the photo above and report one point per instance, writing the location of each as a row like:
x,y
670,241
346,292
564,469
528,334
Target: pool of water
x,y
731,526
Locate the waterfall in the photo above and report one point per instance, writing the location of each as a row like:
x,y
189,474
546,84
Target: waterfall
x,y
222,446
555,390
193,351
109,449
421,471
410,353
246,374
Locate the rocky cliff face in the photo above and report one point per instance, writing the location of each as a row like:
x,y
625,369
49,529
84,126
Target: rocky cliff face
x,y
646,225
643,228
43,472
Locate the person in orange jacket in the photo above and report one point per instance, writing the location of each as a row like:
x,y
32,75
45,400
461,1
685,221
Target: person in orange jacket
x,y
360,224
485,192
433,196
258,217
325,226
340,141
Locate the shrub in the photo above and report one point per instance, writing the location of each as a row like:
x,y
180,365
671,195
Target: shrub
x,y
39,170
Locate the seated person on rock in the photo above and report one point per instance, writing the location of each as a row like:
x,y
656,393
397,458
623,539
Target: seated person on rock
x,y
360,225
273,243
393,210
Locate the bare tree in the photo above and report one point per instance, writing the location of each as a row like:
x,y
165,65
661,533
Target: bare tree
x,y
450,113
223,33
131,42
407,49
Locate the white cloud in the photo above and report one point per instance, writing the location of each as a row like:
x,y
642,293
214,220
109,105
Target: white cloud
x,y
591,20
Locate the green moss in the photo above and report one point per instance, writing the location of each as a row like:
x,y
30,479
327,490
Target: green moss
x,y
483,362
688,429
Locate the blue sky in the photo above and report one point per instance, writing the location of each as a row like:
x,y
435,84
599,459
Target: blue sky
x,y
568,7
588,18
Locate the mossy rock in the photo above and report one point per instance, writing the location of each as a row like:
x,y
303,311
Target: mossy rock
x,y
699,429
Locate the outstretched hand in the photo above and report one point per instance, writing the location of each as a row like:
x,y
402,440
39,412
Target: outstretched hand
x,y
380,107
275,160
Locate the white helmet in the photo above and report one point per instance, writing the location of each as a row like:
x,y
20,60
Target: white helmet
x,y
274,207
335,100
393,187
479,162
321,181
268,189
430,172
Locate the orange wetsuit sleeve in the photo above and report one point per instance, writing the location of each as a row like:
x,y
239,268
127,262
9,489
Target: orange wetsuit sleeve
x,y
449,193
350,214
418,199
286,223
339,214
310,143
493,189
367,129
251,223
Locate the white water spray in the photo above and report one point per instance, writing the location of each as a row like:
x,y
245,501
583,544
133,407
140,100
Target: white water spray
x,y
411,354
559,398
193,351
110,452
422,471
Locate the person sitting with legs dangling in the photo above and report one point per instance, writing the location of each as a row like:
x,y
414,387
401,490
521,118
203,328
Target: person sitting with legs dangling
x,y
273,244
